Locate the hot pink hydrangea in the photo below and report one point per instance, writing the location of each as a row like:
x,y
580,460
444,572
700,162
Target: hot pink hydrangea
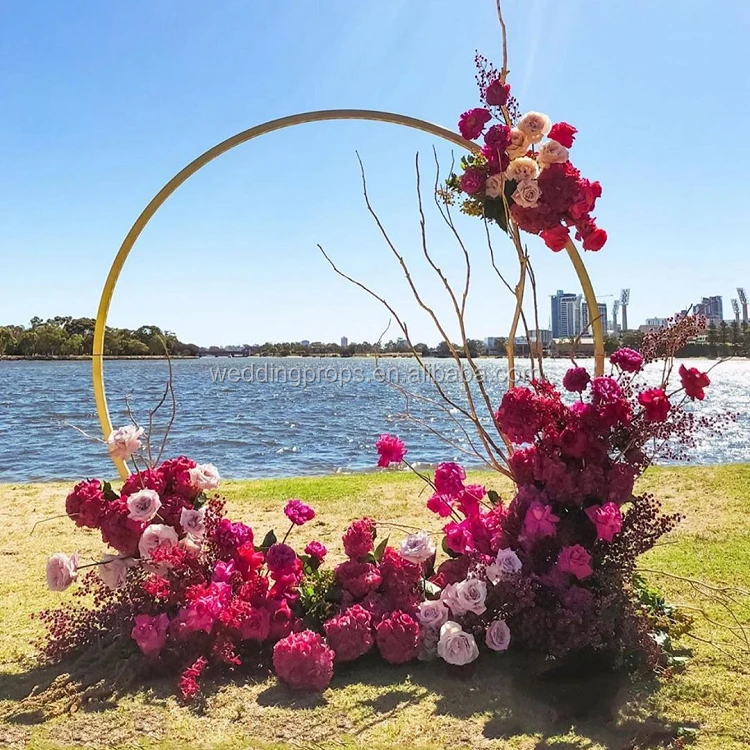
x,y
628,360
149,479
607,518
391,450
304,661
357,578
350,633
517,416
119,530
576,561
86,505
449,479
298,513
397,636
358,538
176,473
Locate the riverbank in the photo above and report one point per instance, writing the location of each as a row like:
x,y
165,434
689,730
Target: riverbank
x,y
376,706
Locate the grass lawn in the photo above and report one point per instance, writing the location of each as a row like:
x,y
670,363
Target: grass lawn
x,y
377,706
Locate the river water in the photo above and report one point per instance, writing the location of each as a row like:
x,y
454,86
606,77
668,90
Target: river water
x,y
265,417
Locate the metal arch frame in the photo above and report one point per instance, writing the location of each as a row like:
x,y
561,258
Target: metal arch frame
x,y
243,137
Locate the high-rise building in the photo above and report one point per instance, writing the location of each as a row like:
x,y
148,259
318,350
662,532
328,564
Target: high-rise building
x,y
711,307
566,315
344,342
495,344
586,323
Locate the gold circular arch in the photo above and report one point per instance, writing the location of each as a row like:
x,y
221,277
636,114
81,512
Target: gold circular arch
x,y
247,135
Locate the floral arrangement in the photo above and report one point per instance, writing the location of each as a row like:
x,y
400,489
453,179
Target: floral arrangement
x,y
523,169
550,571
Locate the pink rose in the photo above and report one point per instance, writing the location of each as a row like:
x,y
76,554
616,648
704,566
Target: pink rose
x,y
204,477
432,614
124,442
497,636
150,633
607,518
193,522
576,561
143,505
114,570
61,571
156,535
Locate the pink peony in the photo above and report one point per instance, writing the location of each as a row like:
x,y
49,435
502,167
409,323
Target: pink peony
x,y
628,360
694,381
607,518
576,561
576,379
298,513
316,550
397,636
655,404
86,505
304,661
281,559
498,137
449,479
539,521
472,180
391,450
61,571
358,538
472,123
350,633
150,633
257,625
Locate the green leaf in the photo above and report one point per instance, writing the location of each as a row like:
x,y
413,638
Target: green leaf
x,y
493,497
380,549
200,501
431,589
447,551
268,540
109,493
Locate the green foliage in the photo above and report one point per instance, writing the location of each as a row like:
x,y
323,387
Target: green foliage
x,y
318,595
70,337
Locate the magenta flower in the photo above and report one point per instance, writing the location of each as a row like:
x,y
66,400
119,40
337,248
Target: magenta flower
x,y
471,124
391,450
440,504
607,518
540,521
449,479
316,550
576,379
576,561
298,513
150,633
628,360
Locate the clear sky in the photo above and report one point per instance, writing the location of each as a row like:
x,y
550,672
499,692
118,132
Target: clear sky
x,y
102,102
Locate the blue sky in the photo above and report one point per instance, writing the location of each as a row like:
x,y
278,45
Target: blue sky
x,y
103,102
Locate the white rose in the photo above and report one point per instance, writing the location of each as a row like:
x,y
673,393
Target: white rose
x,y
494,573
428,643
143,505
205,477
470,595
61,571
432,614
497,636
552,152
535,126
519,143
522,169
124,442
155,536
417,548
193,522
509,562
493,188
191,545
449,597
527,194
114,570
455,645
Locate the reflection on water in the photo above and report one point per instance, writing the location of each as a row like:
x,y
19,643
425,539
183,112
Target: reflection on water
x,y
263,417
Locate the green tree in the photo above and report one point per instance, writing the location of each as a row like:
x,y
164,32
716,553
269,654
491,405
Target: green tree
x,y
712,337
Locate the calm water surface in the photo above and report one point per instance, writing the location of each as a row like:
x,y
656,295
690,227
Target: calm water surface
x,y
283,417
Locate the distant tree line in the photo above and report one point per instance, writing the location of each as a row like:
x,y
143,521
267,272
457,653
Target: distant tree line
x,y
724,340
320,349
68,337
